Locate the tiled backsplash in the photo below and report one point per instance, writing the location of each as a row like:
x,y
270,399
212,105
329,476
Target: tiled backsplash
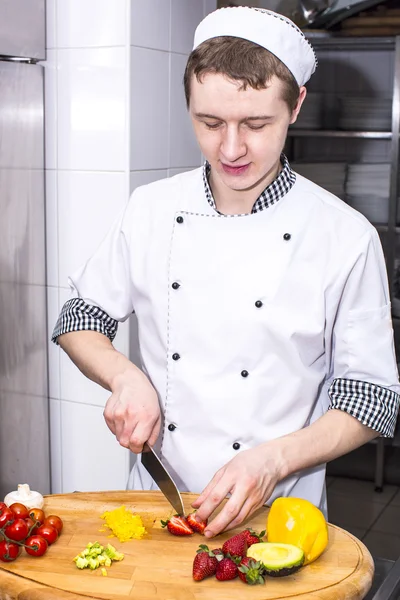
x,y
114,96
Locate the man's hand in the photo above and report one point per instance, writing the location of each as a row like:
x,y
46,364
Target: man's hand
x,y
250,478
252,475
132,413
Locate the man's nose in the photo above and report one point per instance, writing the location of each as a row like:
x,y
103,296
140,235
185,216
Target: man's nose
x,y
233,146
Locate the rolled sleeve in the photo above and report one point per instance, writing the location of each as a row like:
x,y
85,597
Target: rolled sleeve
x,y
374,406
76,315
363,370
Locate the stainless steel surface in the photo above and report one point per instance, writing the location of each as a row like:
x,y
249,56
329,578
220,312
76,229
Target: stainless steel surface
x,y
336,11
377,135
311,9
24,430
390,587
162,478
390,247
22,28
328,41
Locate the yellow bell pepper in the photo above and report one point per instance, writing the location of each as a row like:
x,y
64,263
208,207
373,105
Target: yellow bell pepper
x,y
298,522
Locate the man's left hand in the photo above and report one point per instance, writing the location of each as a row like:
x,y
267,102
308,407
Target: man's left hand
x,y
250,479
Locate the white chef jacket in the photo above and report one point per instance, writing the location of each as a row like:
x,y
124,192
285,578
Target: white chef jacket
x,y
244,321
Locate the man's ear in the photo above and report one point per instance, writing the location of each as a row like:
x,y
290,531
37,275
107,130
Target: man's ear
x,y
295,113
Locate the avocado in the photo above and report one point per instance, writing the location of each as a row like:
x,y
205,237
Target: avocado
x,y
278,559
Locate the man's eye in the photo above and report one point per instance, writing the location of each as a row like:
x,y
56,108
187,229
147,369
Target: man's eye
x,y
256,127
212,125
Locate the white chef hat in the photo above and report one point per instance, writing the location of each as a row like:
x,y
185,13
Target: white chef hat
x,y
268,29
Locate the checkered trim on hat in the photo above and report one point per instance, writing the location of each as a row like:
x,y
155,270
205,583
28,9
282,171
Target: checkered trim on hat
x,y
76,315
288,22
272,193
374,406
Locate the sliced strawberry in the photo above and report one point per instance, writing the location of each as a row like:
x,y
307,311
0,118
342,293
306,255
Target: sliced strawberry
x,y
205,563
198,526
252,537
178,525
226,570
218,553
250,571
236,546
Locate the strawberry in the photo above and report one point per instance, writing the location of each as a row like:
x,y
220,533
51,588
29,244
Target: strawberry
x,y
205,563
218,553
226,569
178,525
251,571
198,526
236,546
252,537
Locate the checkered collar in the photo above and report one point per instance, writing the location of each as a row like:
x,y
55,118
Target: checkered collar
x,y
272,193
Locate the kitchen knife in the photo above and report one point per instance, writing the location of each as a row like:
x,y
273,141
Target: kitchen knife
x,y
163,479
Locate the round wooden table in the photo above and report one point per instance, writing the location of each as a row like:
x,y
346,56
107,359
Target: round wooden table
x,y
159,567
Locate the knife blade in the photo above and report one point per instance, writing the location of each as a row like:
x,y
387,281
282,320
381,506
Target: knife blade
x,y
163,479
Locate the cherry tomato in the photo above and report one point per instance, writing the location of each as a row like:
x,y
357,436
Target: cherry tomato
x,y
19,510
36,514
35,545
55,522
48,532
6,516
3,505
9,551
17,531
32,527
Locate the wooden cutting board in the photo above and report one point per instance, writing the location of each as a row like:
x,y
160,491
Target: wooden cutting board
x,y
159,567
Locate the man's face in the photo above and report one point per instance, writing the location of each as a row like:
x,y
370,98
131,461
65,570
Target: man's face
x,y
240,132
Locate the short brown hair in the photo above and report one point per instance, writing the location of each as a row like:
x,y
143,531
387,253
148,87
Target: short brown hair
x,y
240,60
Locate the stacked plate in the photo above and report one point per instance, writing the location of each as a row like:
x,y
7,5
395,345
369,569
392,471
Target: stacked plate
x,y
365,114
367,190
310,116
330,176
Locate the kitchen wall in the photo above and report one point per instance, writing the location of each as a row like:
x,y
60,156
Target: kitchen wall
x,y
115,119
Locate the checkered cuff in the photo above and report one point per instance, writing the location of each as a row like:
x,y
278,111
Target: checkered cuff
x,y
374,406
76,315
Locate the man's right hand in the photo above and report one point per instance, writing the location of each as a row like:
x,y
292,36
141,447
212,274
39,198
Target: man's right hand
x,y
132,412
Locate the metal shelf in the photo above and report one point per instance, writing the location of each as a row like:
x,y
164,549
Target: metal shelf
x,y
385,228
334,133
327,41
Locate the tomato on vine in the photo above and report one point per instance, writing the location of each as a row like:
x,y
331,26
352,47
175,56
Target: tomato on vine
x,y
49,533
55,522
8,551
36,514
17,531
19,510
6,516
35,545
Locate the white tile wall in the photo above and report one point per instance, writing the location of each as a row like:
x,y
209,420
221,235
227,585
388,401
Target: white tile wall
x,y
149,109
185,16
139,178
55,446
92,23
150,23
92,460
51,20
112,70
51,228
54,352
173,172
50,113
88,204
184,151
92,87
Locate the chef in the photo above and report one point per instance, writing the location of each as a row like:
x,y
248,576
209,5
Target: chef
x,y
262,300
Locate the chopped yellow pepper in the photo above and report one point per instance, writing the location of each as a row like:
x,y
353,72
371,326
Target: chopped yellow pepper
x,y
298,522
